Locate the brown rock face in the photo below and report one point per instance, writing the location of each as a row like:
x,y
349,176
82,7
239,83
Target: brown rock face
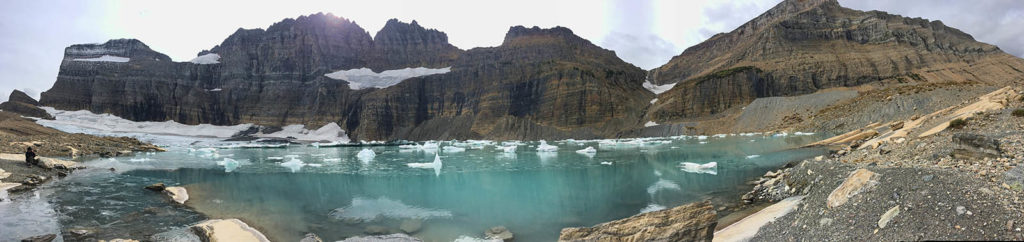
x,y
799,47
690,222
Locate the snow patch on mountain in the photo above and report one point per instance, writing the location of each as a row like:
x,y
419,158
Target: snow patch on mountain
x,y
105,58
364,78
207,59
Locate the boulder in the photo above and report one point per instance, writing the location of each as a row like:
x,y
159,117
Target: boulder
x,y
311,237
40,238
859,181
690,222
383,238
178,194
376,230
499,233
975,146
225,230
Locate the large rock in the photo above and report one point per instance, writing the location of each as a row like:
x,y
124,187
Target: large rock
x,y
975,146
40,238
499,233
859,181
225,230
177,194
690,222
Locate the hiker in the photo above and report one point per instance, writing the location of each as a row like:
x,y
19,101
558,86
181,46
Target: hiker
x,y
30,157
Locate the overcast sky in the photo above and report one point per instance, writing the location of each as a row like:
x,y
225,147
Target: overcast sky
x,y
646,33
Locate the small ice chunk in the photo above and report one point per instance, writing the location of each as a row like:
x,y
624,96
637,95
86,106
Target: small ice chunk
x,y
315,165
366,155
545,147
332,159
607,163
509,149
294,164
753,156
651,208
589,151
707,168
453,149
436,165
228,164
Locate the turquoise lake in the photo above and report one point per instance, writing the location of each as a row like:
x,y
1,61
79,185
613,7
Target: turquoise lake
x,y
290,191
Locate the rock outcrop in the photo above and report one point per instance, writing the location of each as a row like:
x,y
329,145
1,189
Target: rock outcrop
x,y
223,230
801,46
690,222
21,104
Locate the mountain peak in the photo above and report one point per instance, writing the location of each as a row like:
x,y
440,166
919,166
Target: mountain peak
x,y
520,34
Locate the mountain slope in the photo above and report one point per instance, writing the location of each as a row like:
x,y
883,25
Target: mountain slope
x,y
802,46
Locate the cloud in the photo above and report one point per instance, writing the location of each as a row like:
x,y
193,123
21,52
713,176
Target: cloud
x,y
646,51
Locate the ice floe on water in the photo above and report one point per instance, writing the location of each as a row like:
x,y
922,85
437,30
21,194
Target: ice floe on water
x,y
453,149
229,164
366,209
545,147
294,164
253,146
508,149
211,58
436,165
589,151
366,155
363,78
753,156
466,238
607,163
706,168
105,58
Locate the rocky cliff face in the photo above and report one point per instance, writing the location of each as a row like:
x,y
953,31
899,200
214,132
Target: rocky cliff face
x,y
21,104
540,83
801,46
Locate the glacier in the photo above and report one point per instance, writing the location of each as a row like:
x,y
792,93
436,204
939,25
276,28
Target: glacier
x,y
105,58
364,78
206,59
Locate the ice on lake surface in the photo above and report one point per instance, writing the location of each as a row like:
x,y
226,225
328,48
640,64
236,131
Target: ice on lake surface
x,y
532,188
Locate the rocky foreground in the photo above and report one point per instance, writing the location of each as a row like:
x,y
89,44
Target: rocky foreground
x,y
953,174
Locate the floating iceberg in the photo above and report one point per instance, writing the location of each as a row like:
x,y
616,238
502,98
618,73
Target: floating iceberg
x,y
254,146
545,147
228,164
453,149
589,152
366,155
753,156
702,137
707,168
436,165
275,158
139,159
508,149
607,163
332,159
365,210
294,164
802,134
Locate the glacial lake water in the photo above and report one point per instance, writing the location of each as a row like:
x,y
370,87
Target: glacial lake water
x,y
288,192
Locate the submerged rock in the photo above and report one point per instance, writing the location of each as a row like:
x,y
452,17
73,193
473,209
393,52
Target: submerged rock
x,y
383,238
40,238
311,237
411,226
690,222
214,230
499,233
376,230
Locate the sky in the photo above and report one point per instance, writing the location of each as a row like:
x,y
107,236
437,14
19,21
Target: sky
x,y
646,33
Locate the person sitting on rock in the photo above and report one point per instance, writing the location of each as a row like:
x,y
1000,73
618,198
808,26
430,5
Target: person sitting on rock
x,y
30,157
